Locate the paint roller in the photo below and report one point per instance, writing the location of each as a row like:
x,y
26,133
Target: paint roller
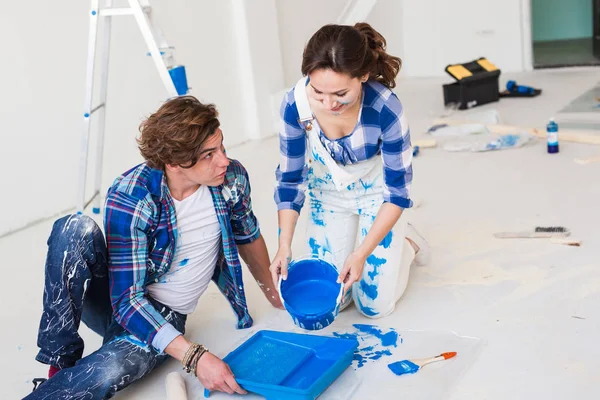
x,y
175,387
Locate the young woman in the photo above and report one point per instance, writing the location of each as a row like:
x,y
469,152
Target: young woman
x,y
345,136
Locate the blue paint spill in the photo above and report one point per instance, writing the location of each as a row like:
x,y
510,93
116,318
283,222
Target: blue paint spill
x,y
20,347
403,367
376,262
183,262
387,240
376,355
387,339
278,232
373,338
314,246
369,290
350,336
364,232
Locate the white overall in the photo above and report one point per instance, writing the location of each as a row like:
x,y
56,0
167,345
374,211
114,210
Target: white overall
x,y
344,201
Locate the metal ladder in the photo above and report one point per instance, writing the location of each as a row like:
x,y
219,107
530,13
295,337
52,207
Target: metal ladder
x,y
172,77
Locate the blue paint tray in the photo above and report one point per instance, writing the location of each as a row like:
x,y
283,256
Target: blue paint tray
x,y
289,366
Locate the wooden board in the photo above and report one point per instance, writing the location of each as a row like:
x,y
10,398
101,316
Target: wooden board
x,y
567,135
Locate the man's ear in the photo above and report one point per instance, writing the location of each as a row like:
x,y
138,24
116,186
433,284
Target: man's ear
x,y
172,167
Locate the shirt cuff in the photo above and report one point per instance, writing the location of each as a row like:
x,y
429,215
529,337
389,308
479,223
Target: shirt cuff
x,y
248,238
399,201
164,337
287,205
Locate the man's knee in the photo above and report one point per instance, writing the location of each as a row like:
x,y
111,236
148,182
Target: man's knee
x,y
74,238
77,225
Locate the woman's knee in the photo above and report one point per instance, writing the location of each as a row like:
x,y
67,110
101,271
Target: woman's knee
x,y
372,304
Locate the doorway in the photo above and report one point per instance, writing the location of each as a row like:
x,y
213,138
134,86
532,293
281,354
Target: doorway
x,y
565,33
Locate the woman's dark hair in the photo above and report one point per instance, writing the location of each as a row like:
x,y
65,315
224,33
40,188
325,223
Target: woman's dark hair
x,y
354,50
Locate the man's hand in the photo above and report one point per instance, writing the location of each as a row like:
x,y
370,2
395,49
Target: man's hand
x,y
280,263
214,374
353,269
256,256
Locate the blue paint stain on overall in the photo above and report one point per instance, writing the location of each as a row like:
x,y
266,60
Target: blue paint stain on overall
x,y
366,185
376,262
317,157
364,232
314,246
403,367
387,240
327,247
316,213
368,311
183,262
369,290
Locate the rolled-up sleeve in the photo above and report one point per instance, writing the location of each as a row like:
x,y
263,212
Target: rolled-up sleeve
x,y
397,154
292,170
244,223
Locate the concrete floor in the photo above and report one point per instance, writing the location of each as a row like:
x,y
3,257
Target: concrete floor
x,y
532,304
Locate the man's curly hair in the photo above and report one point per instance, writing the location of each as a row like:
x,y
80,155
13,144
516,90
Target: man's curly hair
x,y
176,132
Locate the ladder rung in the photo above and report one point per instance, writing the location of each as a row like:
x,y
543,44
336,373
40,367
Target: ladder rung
x,y
116,11
99,106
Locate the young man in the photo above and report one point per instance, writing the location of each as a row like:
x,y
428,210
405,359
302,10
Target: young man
x,y
172,224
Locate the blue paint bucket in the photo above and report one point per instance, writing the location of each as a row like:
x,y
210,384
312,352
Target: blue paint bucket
x,y
310,293
179,79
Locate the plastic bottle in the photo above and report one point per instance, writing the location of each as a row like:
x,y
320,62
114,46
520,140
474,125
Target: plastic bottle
x,y
552,136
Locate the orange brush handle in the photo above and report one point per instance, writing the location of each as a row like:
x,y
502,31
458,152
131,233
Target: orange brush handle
x,y
448,355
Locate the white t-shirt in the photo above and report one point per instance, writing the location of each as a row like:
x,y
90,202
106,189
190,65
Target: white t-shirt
x,y
196,252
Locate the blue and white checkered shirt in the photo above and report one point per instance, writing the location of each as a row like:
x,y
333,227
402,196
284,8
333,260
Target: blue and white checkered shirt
x,y
381,130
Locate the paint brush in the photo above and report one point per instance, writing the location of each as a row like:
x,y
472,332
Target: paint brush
x,y
538,232
412,366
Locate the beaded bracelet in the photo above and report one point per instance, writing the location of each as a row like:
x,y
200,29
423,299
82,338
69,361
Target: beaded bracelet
x,y
189,354
192,356
197,358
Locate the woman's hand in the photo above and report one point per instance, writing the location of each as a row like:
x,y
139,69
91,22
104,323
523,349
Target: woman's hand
x,y
280,263
353,269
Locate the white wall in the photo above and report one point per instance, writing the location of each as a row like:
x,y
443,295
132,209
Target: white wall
x,y
298,20
43,77
441,32
43,74
426,34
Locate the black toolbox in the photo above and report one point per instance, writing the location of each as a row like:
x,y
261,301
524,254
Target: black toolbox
x,y
476,84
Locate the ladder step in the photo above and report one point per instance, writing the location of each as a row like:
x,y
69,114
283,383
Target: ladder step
x,y
99,106
105,12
